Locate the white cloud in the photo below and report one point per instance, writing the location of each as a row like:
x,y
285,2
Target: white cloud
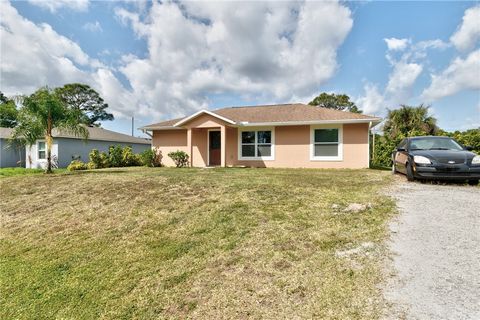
x,y
395,44
468,33
271,51
406,68
373,101
401,80
93,26
267,50
54,5
35,55
461,74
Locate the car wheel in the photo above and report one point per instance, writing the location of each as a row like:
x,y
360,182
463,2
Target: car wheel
x,y
410,176
473,182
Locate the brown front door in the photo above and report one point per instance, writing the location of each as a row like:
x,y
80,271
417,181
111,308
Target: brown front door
x,y
214,146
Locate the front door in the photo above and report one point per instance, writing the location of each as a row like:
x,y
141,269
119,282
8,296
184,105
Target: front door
x,y
214,144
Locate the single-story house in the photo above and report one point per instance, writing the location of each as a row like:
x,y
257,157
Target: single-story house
x,y
286,135
67,147
11,154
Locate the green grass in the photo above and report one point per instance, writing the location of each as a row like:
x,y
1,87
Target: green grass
x,y
8,172
152,243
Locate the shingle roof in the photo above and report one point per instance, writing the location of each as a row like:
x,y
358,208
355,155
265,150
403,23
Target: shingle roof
x,y
94,133
296,112
101,134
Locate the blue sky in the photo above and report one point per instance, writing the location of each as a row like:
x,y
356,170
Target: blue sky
x,y
158,60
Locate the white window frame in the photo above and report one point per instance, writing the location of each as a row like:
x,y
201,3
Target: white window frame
x,y
38,150
339,157
256,129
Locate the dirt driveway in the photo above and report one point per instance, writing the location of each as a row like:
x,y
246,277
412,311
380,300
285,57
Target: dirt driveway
x,y
436,252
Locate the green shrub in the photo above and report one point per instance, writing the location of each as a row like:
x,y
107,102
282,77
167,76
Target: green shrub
x,y
179,157
91,165
98,159
129,158
115,156
470,138
76,165
151,158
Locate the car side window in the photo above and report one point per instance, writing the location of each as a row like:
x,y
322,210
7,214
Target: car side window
x,y
403,144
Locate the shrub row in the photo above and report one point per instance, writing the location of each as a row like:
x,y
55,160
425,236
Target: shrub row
x,y
118,157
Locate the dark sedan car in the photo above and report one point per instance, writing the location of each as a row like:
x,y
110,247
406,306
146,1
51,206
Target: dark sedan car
x,y
436,158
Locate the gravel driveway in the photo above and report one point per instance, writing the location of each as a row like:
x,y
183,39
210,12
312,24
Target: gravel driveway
x,y
436,252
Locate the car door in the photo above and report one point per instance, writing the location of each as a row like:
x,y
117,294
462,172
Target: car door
x,y
401,156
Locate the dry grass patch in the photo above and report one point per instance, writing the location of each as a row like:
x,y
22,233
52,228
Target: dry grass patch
x,y
192,243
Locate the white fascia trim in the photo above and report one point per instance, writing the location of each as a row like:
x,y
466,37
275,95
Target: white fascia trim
x,y
340,143
160,128
313,122
196,114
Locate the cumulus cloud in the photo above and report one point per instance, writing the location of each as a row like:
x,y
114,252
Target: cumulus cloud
x,y
468,33
402,79
406,69
263,49
461,74
35,55
373,101
93,26
271,51
54,5
395,44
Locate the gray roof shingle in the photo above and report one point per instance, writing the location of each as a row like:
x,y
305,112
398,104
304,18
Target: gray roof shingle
x,y
94,134
294,112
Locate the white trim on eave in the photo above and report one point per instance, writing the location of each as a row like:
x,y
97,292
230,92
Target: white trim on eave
x,y
196,114
159,128
311,122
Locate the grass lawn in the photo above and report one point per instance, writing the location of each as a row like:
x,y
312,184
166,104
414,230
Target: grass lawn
x,y
9,172
155,243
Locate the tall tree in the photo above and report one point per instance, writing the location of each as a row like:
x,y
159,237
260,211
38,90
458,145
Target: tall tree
x,y
335,101
82,97
8,112
40,113
409,120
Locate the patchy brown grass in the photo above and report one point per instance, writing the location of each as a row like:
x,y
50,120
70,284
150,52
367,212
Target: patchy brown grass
x,y
192,243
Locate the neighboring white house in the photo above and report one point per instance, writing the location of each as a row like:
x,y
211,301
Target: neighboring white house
x,y
67,147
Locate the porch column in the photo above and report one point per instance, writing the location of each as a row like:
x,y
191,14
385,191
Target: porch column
x,y
223,143
189,146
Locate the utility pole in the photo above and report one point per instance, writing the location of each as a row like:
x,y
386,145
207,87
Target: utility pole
x,y
133,119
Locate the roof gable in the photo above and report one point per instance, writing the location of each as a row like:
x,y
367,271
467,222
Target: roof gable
x,y
201,112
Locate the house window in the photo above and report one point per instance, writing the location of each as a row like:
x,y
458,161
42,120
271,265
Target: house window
x,y
256,145
42,154
326,143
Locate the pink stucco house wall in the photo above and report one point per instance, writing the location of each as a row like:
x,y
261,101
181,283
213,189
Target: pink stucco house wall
x,y
283,136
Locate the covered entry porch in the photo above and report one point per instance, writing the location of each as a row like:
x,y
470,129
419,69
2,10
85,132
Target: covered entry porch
x,y
207,139
206,147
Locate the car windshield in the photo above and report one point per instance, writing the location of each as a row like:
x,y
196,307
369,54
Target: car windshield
x,y
434,144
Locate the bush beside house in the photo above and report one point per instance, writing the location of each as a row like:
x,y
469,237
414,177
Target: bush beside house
x,y
180,158
118,157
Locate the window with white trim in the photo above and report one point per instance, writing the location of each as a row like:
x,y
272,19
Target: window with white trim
x,y
256,145
326,143
42,154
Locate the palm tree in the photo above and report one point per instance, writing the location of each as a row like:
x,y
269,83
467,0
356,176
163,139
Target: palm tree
x,y
40,113
409,120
